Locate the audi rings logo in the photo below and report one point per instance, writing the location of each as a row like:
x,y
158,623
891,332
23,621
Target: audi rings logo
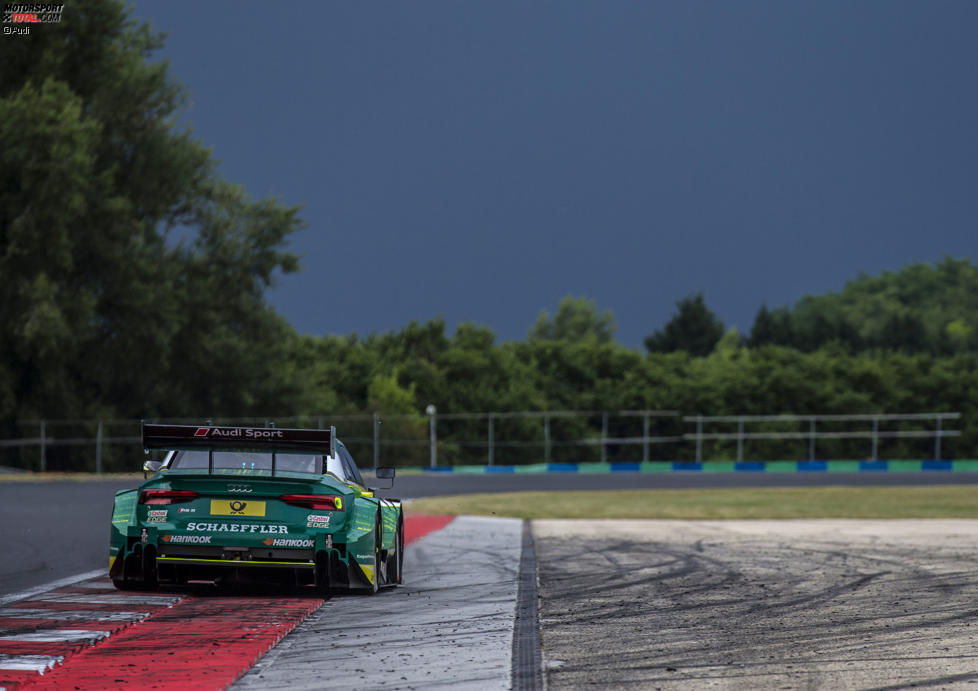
x,y
239,488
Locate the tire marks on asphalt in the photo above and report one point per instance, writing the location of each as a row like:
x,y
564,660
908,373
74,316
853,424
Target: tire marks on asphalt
x,y
758,605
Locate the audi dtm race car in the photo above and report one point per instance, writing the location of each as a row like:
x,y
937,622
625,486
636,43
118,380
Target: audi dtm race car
x,y
241,503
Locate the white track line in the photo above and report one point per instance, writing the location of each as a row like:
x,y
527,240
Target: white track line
x,y
30,663
111,599
70,580
96,585
57,636
70,615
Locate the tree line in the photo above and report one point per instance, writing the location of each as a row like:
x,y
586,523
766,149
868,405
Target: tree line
x,y
134,286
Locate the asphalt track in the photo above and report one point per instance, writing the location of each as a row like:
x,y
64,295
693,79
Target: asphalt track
x,y
655,606
52,530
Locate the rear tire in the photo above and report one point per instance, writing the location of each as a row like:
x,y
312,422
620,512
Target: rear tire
x,y
378,561
323,575
141,565
378,541
395,563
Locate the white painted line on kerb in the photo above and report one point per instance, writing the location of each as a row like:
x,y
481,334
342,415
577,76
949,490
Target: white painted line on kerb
x,y
30,663
70,580
96,585
57,636
113,599
70,615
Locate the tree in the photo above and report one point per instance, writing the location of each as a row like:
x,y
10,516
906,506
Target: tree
x,y
904,332
771,327
577,321
694,328
101,310
918,309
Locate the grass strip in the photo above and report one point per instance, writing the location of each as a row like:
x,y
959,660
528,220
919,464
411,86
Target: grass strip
x,y
934,501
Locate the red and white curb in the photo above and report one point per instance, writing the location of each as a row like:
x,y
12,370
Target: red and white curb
x,y
41,630
83,633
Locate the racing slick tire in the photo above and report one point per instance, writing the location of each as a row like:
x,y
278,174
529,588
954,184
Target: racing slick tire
x,y
323,583
143,563
395,561
378,541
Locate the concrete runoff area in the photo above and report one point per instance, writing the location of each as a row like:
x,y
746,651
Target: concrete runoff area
x,y
805,604
450,625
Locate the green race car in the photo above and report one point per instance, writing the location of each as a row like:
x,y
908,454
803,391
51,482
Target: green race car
x,y
252,503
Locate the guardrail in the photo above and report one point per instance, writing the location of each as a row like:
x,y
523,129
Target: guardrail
x,y
374,435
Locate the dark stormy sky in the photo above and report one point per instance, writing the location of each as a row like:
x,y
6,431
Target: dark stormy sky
x,y
479,160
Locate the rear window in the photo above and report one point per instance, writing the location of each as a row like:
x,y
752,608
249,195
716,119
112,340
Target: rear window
x,y
248,461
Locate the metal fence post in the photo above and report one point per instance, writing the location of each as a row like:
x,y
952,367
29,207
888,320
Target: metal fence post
x,y
937,440
44,449
432,435
604,437
740,439
699,437
876,434
376,441
98,449
811,438
491,449
645,438
546,438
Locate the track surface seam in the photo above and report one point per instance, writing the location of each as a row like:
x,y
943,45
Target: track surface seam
x,y
527,658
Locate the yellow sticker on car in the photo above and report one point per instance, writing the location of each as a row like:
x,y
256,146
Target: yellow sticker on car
x,y
237,507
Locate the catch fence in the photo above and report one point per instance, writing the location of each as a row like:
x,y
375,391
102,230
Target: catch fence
x,y
815,432
438,439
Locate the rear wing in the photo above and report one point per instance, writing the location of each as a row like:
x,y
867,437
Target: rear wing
x,y
211,438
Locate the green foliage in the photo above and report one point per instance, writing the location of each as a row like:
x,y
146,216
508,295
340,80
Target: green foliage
x,y
104,314
771,327
101,310
694,328
577,321
918,309
385,395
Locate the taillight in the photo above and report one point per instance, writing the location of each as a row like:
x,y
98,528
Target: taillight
x,y
166,496
325,502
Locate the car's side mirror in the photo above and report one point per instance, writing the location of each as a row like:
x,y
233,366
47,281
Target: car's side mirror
x,y
151,467
385,472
